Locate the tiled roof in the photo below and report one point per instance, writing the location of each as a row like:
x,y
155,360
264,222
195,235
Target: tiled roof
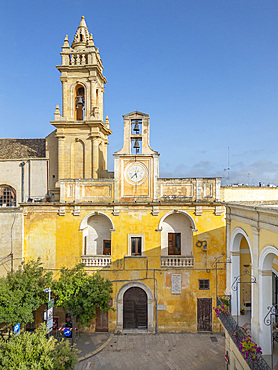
x,y
22,148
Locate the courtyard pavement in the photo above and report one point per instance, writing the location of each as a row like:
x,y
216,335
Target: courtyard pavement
x,y
155,352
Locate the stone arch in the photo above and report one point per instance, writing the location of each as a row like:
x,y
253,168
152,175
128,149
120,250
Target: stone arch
x,y
265,294
235,241
96,228
79,93
177,233
193,225
150,303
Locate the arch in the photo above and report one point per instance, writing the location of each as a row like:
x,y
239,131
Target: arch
x,y
77,159
235,241
7,196
265,294
176,234
175,212
82,107
150,305
84,222
266,257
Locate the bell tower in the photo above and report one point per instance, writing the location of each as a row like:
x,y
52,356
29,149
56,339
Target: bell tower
x,y
81,132
136,165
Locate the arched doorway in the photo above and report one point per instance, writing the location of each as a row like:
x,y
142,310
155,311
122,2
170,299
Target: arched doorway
x,y
150,305
241,258
135,313
268,264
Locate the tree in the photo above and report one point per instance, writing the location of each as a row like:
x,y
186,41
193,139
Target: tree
x,y
21,293
35,351
80,294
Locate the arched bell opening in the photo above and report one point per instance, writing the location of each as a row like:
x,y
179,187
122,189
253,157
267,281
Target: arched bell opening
x,y
79,102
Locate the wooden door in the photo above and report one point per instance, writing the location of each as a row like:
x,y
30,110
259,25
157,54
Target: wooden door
x,y
204,314
135,309
174,244
107,247
101,321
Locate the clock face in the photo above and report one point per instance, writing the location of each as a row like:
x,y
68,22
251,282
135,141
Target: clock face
x,y
136,172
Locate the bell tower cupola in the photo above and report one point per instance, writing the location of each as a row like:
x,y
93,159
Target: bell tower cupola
x,y
82,134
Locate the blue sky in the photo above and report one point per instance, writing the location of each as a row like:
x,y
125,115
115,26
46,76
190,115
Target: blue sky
x,y
206,71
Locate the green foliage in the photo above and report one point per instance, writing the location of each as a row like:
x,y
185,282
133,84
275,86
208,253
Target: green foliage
x,y
35,351
21,293
225,301
80,293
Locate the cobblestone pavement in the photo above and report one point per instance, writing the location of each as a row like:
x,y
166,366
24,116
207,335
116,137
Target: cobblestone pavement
x,y
161,351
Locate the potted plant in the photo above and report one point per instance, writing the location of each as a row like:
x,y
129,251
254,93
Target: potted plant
x,y
242,310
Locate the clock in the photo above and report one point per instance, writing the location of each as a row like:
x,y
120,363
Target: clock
x,y
136,172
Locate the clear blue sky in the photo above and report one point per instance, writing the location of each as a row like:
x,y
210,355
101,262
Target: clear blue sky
x,y
206,71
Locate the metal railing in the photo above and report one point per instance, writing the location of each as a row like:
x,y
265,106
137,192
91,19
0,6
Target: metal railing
x,y
237,334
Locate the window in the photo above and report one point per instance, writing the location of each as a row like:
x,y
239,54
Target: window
x,y
7,196
107,247
174,244
204,284
136,246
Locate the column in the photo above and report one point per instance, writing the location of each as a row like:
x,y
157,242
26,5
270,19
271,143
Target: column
x,y
235,272
265,294
255,287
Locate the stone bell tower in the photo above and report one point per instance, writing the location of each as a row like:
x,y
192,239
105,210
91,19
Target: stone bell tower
x,y
82,134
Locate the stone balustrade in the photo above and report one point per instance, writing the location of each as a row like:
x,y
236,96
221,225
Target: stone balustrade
x,y
177,261
78,59
96,261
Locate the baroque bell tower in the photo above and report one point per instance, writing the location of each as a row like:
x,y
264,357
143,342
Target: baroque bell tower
x,y
81,132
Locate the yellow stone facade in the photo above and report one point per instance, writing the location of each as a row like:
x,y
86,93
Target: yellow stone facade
x,y
157,240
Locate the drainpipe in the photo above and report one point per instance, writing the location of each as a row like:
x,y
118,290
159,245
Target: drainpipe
x,y
22,164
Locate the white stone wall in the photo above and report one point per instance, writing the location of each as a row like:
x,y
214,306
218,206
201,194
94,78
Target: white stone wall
x,y
35,177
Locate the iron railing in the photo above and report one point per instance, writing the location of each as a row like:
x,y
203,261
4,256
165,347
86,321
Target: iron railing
x,y
237,334
226,299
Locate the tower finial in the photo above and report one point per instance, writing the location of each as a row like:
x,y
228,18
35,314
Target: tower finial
x,y
82,36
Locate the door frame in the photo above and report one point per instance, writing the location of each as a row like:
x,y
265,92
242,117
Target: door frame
x,y
210,318
150,306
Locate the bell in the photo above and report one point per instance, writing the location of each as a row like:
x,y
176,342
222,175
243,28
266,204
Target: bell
x,y
80,101
136,128
136,145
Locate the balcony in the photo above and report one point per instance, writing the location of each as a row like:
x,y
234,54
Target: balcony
x,y
96,261
236,333
177,261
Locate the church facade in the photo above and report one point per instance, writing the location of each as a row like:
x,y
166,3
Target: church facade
x,y
161,241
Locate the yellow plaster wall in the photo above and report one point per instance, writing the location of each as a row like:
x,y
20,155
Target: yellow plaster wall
x,y
58,241
267,238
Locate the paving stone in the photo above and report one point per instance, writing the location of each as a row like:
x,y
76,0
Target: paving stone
x,y
159,352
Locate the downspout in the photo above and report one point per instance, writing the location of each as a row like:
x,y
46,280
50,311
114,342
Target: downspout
x,y
22,164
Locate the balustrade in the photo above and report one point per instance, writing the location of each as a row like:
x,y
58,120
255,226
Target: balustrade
x,y
177,261
96,261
